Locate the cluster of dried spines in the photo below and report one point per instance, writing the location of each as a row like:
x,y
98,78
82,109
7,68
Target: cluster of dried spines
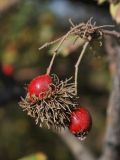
x,y
54,109
81,135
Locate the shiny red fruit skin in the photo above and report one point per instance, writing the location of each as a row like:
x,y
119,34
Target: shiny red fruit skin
x,y
7,69
80,121
39,85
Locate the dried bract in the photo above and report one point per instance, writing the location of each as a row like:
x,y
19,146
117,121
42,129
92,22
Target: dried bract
x,y
54,110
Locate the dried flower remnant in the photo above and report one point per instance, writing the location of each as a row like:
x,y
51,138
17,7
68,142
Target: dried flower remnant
x,y
54,110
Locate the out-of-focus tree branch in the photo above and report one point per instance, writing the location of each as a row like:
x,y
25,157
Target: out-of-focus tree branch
x,y
78,150
112,137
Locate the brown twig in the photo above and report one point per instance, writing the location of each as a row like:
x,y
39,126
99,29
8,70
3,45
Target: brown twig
x,y
113,33
59,45
56,51
71,22
50,43
86,31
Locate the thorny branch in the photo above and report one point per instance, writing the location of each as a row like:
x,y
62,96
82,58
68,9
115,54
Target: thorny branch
x,y
87,31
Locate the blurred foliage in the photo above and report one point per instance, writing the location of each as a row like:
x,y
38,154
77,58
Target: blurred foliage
x,y
115,11
114,6
24,28
37,156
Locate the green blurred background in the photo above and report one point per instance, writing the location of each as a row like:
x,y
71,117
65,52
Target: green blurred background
x,y
24,26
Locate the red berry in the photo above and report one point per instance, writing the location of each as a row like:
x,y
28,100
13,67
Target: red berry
x,y
80,122
39,85
7,69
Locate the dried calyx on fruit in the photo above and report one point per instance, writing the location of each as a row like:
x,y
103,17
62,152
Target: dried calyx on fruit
x,y
80,122
50,101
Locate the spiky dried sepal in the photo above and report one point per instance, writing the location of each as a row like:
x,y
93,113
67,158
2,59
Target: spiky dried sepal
x,y
53,111
82,135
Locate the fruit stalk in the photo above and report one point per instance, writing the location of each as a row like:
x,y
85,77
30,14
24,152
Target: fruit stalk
x,y
78,63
